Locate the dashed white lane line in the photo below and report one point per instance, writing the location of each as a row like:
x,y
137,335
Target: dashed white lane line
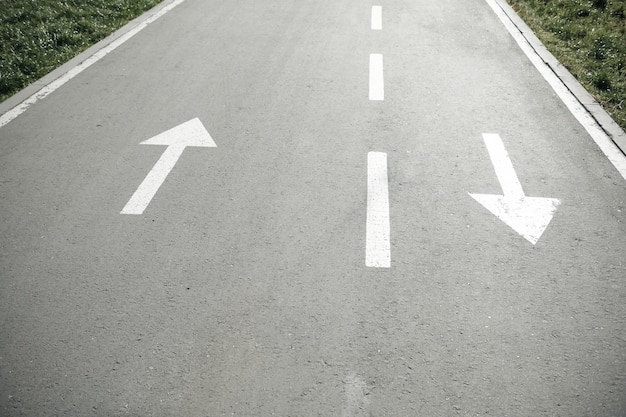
x,y
356,403
73,72
377,20
377,82
377,241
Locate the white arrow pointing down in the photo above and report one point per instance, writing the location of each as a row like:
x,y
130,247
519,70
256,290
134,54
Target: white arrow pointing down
x,y
191,133
528,216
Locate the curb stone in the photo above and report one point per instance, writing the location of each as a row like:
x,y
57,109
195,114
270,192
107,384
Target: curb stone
x,y
36,86
595,110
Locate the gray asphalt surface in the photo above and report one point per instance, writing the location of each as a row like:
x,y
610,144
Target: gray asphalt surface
x,y
242,290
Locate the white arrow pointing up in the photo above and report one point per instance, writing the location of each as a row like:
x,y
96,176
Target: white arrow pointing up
x,y
191,133
528,216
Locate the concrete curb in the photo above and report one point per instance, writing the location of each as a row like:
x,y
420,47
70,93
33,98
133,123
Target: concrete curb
x,y
595,110
34,88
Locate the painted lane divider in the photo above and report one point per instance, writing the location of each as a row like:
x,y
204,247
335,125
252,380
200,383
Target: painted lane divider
x,y
377,241
191,133
377,83
377,21
377,230
528,216
356,402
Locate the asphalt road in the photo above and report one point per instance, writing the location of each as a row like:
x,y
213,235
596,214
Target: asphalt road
x,y
243,289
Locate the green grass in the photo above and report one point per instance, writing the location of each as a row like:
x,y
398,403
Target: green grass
x,y
36,36
589,38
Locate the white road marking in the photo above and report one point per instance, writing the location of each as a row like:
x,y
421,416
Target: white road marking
x,y
377,241
603,141
356,402
377,20
503,166
191,133
528,216
73,72
377,83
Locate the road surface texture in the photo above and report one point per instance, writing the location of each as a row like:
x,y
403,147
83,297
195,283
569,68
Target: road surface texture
x,y
246,288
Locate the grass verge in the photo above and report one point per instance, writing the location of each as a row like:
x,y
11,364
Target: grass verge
x,y
37,36
589,38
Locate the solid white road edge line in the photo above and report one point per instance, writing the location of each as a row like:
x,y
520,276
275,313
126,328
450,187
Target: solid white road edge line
x,y
377,241
73,72
603,141
377,20
377,83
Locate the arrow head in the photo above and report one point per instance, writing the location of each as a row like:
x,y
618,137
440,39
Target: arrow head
x,y
191,133
528,216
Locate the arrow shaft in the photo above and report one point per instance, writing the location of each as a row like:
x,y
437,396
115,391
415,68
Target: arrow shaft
x,y
503,166
151,184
